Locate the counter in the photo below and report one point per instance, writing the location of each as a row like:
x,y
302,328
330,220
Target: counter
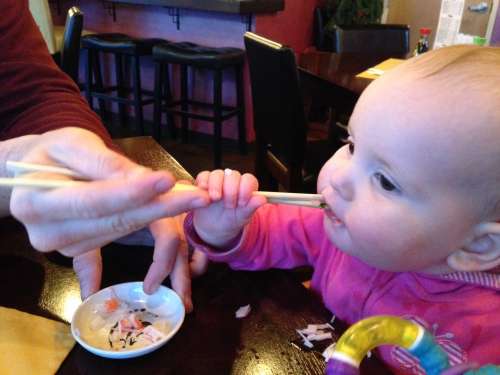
x,y
225,6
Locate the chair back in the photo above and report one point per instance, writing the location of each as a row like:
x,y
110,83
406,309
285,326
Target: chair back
x,y
279,117
324,40
70,51
40,11
387,39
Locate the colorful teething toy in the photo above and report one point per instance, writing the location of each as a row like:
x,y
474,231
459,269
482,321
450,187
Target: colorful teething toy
x,y
369,333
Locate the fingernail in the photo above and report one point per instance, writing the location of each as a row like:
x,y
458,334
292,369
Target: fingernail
x,y
188,305
152,288
162,186
199,202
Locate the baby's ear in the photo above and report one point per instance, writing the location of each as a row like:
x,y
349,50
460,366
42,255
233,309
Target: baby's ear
x,y
479,253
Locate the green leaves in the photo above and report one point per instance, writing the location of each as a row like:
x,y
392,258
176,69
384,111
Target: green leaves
x,y
350,12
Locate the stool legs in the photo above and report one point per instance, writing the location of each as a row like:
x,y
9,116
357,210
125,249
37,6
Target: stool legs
x,y
189,105
240,104
217,117
158,101
120,85
94,80
99,86
136,71
167,94
184,102
88,78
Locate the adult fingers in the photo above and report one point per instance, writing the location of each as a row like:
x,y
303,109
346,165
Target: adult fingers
x,y
85,153
70,234
75,249
198,264
167,240
181,278
90,200
88,269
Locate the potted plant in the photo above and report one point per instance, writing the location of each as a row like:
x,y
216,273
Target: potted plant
x,y
343,12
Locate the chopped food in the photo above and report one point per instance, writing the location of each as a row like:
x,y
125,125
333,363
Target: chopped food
x,y
125,326
316,332
111,304
243,311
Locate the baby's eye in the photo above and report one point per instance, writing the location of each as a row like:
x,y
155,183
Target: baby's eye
x,y
350,145
384,182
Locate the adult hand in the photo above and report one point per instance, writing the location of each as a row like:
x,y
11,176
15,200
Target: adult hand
x,y
121,198
170,257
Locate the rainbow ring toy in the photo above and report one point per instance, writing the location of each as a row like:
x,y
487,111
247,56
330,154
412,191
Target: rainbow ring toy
x,y
369,333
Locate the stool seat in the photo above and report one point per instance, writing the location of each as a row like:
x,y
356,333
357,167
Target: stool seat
x,y
200,56
191,57
120,43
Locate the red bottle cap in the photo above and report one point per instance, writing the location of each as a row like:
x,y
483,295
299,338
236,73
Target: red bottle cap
x,y
425,31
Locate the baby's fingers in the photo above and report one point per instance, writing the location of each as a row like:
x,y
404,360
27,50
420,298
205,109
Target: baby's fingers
x,y
231,188
254,203
215,184
248,185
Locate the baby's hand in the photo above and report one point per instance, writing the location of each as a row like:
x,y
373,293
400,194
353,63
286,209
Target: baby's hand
x,y
233,204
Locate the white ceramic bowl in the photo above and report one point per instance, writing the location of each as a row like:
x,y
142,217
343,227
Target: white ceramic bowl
x,y
164,302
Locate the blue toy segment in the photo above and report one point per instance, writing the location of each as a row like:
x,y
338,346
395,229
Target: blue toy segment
x,y
432,357
485,370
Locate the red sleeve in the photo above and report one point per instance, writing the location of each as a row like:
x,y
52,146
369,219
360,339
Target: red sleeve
x,y
35,95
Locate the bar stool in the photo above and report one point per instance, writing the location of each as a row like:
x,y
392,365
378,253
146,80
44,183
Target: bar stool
x,y
195,56
122,47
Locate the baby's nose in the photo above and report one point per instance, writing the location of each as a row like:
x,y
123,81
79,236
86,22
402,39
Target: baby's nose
x,y
342,183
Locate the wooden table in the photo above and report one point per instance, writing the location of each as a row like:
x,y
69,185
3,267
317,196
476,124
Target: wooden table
x,y
211,340
339,70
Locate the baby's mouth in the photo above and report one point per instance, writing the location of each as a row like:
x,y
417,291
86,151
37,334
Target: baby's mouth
x,y
331,215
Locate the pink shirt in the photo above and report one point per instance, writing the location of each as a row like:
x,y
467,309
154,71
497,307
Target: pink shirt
x,y
460,309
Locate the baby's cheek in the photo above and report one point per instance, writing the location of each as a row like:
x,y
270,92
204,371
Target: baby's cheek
x,y
384,243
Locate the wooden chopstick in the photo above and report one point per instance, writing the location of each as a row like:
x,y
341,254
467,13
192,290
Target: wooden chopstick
x,y
22,167
308,200
37,183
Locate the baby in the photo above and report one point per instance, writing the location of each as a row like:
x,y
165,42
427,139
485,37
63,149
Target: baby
x,y
413,204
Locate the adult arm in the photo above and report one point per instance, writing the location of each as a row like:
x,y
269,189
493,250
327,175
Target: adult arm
x,y
43,119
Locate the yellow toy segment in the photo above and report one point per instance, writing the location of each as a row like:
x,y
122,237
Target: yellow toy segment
x,y
372,332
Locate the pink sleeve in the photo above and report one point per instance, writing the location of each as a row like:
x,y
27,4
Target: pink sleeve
x,y
35,95
278,236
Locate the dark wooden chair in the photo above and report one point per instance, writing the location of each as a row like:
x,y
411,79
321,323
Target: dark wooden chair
x,y
283,156
70,51
387,39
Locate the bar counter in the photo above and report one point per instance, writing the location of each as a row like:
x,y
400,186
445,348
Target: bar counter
x,y
225,6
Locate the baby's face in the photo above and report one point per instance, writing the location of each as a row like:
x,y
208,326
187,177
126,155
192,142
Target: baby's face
x,y
398,193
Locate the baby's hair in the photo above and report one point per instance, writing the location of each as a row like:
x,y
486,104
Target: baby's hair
x,y
464,70
466,66
438,60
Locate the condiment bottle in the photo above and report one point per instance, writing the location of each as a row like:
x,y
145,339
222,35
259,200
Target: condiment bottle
x,y
423,41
